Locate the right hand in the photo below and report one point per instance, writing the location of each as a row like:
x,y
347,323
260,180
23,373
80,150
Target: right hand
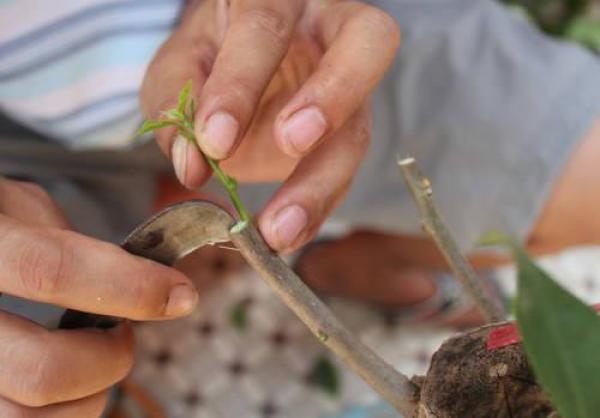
x,y
60,373
282,88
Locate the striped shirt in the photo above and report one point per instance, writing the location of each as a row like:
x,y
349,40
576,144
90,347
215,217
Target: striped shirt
x,y
72,69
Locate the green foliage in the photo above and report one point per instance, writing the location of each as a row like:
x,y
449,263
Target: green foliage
x,y
585,31
561,338
576,20
184,95
153,125
183,119
324,375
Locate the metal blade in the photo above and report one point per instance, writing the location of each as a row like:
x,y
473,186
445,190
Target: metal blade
x,y
179,230
167,237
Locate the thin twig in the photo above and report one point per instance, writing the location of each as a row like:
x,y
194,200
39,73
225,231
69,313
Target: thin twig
x,y
432,222
381,376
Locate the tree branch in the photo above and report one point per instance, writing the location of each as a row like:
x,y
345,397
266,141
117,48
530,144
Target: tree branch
x,y
433,224
381,376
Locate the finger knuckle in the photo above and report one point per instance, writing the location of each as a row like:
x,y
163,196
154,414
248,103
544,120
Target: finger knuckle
x,y
37,386
35,189
20,412
32,193
17,411
240,97
148,300
270,21
41,266
362,135
316,202
127,357
385,23
35,392
100,405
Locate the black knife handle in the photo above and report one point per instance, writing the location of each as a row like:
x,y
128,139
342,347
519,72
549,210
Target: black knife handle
x,y
73,319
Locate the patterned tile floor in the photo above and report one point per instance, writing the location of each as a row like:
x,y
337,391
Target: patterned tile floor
x,y
243,354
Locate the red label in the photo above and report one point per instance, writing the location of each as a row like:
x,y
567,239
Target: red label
x,y
509,335
503,336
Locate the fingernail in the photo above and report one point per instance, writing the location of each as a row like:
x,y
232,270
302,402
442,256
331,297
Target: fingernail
x,y
288,225
182,300
179,155
304,128
220,132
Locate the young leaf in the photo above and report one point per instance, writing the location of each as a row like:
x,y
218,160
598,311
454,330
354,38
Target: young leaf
x,y
173,114
561,338
191,110
183,118
184,95
152,125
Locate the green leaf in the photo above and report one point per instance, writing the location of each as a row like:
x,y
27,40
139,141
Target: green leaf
x,y
239,316
585,31
184,95
191,110
173,114
561,336
152,125
324,375
183,119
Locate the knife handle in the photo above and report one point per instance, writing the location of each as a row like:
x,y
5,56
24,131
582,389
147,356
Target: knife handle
x,y
73,319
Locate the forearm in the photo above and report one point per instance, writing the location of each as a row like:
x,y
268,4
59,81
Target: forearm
x,y
570,214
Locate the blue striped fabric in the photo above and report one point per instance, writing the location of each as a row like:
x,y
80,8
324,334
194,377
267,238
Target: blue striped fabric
x,y
73,69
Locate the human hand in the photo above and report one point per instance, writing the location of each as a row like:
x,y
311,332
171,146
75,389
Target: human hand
x,y
60,373
282,90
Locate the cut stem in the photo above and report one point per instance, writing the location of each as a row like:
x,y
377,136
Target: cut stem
x,y
434,225
392,385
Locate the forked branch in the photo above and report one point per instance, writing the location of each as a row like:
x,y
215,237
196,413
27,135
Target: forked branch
x,y
434,225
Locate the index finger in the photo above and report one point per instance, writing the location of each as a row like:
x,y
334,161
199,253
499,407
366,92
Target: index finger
x,y
77,272
255,43
360,42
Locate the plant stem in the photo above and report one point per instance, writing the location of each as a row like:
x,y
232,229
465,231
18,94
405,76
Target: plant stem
x,y
433,224
392,385
230,184
231,187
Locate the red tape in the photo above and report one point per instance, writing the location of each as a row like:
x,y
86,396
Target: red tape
x,y
509,335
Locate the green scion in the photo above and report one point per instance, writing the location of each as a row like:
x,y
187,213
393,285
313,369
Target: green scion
x,y
182,118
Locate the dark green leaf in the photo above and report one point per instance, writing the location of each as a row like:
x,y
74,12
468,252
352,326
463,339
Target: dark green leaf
x,y
324,375
152,125
562,340
184,95
239,316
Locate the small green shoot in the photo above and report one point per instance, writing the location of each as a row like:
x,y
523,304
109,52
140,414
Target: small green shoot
x,y
183,119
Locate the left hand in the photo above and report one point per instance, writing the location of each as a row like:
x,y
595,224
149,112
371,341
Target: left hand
x,y
282,88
